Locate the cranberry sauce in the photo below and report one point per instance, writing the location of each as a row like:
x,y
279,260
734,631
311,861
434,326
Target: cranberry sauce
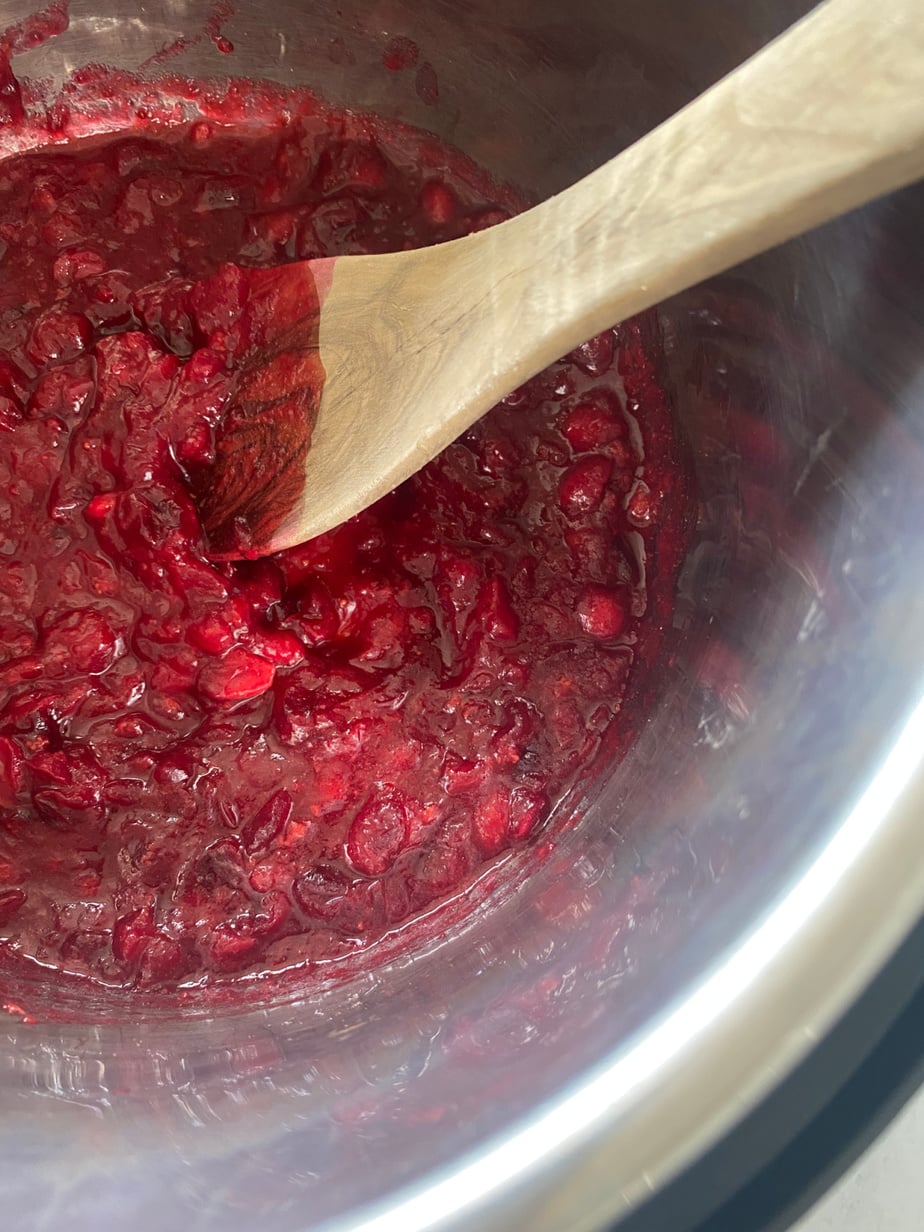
x,y
210,769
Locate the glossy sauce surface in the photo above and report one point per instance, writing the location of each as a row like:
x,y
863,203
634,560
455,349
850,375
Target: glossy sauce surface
x,y
211,770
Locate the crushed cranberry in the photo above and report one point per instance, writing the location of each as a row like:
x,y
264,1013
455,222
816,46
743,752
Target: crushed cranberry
x,y
211,768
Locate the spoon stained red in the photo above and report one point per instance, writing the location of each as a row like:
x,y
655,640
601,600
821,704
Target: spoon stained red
x,y
363,368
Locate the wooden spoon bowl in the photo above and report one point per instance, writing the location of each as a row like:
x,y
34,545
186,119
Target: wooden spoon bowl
x,y
362,369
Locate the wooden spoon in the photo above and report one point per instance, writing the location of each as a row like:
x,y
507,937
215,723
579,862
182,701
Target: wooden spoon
x,y
411,348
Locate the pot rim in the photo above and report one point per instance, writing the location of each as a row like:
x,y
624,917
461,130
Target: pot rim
x,y
636,1120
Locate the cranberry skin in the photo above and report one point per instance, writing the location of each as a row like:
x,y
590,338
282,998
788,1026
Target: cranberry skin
x,y
82,642
232,945
67,391
330,899
58,336
583,486
504,817
641,505
596,355
12,772
163,961
237,676
262,831
601,613
320,892
494,612
273,914
378,833
74,265
10,903
358,167
132,933
593,422
438,204
13,381
462,776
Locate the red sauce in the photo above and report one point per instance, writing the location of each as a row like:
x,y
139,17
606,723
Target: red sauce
x,y
264,325
212,769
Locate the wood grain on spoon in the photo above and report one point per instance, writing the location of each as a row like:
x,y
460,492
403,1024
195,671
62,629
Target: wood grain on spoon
x,y
414,347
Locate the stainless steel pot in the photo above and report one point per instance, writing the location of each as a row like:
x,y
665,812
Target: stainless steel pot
x,y
735,883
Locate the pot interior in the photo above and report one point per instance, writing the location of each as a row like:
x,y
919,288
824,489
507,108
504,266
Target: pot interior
x,y
795,657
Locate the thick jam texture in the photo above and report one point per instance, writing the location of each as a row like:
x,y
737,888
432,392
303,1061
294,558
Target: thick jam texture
x,y
212,769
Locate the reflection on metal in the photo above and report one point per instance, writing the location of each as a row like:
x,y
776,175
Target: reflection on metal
x,y
740,876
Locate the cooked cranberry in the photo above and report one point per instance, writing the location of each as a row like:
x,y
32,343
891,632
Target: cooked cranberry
x,y
232,945
81,641
131,933
494,611
163,961
62,228
76,264
593,421
320,891
272,915
210,770
378,834
583,485
487,218
600,612
596,355
492,822
58,335
355,166
266,826
236,676
438,203
12,772
641,505
10,903
67,391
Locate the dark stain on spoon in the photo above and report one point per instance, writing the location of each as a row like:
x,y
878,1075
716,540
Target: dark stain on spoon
x,y
265,436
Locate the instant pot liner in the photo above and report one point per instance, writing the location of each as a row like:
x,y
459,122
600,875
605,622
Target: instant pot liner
x,y
793,666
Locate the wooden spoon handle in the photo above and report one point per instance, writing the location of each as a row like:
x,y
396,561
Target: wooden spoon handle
x,y
827,117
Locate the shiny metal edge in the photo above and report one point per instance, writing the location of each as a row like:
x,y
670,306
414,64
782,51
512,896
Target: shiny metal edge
x,y
639,1120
